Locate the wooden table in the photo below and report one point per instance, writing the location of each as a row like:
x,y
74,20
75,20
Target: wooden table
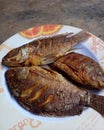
x,y
16,15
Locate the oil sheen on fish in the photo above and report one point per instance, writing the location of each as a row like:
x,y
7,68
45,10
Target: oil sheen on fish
x,y
43,51
82,69
46,92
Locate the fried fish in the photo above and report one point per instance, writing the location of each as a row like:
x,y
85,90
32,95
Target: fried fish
x,y
46,92
43,51
82,69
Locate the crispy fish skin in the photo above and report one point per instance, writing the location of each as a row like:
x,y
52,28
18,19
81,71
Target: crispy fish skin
x,y
82,69
43,51
46,92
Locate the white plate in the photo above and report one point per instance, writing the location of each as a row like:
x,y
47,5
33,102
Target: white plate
x,y
13,117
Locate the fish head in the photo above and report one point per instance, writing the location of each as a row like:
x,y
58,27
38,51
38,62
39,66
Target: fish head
x,y
15,57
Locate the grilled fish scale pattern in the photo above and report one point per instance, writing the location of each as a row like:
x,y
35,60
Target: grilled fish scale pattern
x,y
47,96
46,92
43,51
82,69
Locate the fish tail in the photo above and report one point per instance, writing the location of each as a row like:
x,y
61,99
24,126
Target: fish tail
x,y
81,36
96,102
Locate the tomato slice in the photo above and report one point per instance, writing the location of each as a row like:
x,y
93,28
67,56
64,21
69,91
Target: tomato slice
x,y
50,29
32,32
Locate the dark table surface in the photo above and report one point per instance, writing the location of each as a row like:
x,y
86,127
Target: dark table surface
x,y
16,15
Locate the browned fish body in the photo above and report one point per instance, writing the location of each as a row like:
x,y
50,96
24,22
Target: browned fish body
x,y
46,92
43,51
82,69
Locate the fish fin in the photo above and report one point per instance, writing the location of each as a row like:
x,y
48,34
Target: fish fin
x,y
81,36
96,102
69,34
48,59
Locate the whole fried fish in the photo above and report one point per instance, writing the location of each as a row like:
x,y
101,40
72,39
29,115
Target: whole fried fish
x,y
82,69
43,51
46,92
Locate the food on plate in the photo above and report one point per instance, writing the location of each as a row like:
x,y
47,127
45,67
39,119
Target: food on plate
x,y
45,92
48,92
43,51
82,69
